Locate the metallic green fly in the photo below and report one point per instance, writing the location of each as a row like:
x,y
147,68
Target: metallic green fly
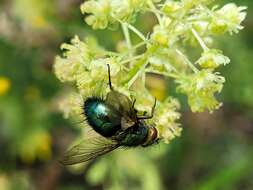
x,y
114,123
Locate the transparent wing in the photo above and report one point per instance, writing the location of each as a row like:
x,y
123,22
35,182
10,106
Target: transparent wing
x,y
90,148
122,104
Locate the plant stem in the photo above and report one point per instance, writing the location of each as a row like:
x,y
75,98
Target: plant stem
x,y
132,59
189,63
134,71
156,12
127,38
136,31
133,79
172,75
122,56
201,42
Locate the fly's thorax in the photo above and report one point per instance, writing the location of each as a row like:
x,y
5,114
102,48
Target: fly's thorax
x,y
134,136
126,123
102,117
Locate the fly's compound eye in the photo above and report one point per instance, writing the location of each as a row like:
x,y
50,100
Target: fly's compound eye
x,y
153,134
152,137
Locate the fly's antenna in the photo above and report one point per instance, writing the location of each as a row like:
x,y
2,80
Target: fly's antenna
x,y
109,76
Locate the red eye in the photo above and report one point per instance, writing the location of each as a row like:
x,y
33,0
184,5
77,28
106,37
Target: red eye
x,y
153,134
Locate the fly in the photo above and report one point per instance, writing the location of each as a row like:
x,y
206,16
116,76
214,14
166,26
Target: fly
x,y
115,123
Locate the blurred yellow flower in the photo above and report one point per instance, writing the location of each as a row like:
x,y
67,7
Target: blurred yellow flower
x,y
39,22
36,145
4,85
33,13
44,147
4,182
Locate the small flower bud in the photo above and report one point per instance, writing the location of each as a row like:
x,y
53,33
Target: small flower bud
x,y
228,19
171,7
212,59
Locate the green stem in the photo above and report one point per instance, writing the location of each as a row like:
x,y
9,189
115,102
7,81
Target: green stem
x,y
201,42
187,61
171,75
136,75
111,53
156,12
143,77
137,32
139,45
127,38
133,29
122,56
134,71
132,59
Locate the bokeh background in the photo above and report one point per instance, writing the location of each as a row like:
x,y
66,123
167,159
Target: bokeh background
x,y
215,151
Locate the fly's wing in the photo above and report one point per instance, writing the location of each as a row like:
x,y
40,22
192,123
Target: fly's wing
x,y
88,149
124,106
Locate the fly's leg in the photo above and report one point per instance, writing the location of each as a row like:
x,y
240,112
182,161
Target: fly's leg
x,y
148,116
133,103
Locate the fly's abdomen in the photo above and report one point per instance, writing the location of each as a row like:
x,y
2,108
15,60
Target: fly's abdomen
x,y
101,117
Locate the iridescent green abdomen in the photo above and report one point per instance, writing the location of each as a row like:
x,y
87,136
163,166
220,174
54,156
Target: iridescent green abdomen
x,y
102,117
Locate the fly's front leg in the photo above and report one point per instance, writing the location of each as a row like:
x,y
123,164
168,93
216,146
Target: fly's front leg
x,y
148,116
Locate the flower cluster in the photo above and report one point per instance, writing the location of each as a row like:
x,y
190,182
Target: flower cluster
x,y
212,59
200,88
180,24
108,12
166,119
227,19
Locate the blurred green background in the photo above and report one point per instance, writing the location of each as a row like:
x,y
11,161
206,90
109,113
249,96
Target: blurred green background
x,y
215,151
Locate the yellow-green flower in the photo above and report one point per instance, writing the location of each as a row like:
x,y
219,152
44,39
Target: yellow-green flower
x,y
171,8
228,19
201,88
106,12
73,62
166,118
160,36
100,13
212,59
71,104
